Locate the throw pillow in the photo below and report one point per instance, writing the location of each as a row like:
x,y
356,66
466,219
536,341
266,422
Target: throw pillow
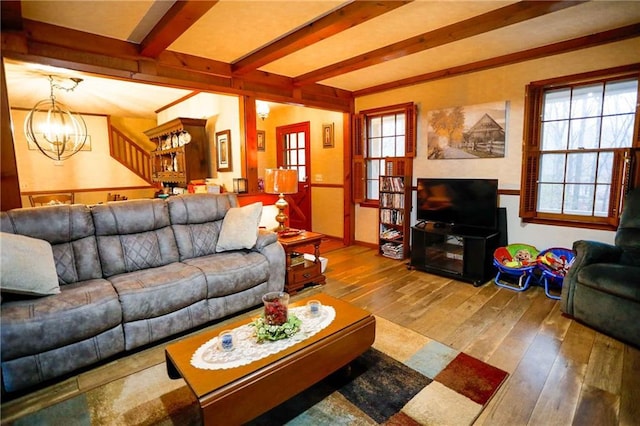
x,y
27,266
240,228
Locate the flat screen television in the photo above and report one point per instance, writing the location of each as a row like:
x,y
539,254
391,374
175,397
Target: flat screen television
x,y
458,202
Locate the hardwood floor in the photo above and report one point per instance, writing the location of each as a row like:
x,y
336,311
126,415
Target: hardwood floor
x,y
561,372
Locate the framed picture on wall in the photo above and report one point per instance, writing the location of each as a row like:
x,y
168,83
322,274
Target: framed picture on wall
x,y
223,151
468,132
327,135
261,140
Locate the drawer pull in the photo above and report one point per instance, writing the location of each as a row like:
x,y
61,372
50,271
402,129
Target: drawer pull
x,y
307,275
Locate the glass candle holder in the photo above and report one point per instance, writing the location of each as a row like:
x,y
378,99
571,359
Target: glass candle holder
x,y
226,341
314,307
276,307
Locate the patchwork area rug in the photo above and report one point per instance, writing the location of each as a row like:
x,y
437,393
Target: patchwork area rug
x,y
405,379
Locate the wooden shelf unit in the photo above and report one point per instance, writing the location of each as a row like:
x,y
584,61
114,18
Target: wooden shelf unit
x,y
175,163
394,216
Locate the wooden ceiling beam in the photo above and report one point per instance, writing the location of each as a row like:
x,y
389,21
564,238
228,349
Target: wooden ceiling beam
x,y
618,34
339,20
11,15
181,16
52,45
495,19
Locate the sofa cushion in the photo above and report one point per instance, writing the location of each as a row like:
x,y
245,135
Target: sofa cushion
x,y
27,266
81,311
134,235
70,231
240,228
189,209
154,292
612,278
196,220
232,272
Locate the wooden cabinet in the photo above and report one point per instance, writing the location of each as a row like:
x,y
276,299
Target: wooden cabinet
x,y
182,153
394,216
308,271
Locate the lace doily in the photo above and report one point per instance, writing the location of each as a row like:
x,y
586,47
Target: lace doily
x,y
246,349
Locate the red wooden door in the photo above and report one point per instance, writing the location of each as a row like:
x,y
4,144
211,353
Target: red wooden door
x,y
294,153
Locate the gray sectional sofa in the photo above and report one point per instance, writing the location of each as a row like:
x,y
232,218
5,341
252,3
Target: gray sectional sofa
x,y
129,273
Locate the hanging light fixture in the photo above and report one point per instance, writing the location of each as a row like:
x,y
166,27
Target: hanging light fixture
x,y
53,128
262,109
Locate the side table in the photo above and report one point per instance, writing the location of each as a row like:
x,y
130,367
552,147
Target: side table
x,y
308,271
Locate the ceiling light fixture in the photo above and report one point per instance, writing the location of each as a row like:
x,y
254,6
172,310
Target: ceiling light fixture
x,y
53,128
262,109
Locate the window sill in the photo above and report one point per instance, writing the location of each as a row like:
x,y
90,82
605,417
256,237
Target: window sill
x,y
370,203
571,224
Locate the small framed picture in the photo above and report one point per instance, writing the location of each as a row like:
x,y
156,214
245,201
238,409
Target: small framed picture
x,y
327,135
261,140
223,151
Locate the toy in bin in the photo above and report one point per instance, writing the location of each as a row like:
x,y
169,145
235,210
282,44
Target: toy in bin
x,y
516,261
554,263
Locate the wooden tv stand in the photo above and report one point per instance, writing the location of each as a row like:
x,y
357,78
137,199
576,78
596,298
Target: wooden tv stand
x,y
463,253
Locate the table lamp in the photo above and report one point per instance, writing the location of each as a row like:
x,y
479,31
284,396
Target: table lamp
x,y
281,181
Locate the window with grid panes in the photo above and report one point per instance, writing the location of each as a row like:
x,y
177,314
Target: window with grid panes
x,y
383,136
579,154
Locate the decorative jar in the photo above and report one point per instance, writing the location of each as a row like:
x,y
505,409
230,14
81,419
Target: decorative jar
x,y
276,307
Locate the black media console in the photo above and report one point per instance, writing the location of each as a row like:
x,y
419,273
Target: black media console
x,y
463,253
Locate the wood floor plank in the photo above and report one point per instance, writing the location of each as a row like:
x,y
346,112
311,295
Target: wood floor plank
x,y
486,343
597,407
561,393
443,323
526,383
630,389
605,365
515,345
477,323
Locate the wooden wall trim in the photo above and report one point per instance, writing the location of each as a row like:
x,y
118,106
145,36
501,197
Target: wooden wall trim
x,y
109,189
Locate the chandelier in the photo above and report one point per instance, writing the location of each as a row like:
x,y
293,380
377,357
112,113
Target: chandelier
x,y
53,128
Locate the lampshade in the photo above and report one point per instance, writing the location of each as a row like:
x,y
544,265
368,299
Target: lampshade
x,y
53,128
281,181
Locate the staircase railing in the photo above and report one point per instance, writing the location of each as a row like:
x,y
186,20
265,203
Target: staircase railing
x,y
129,154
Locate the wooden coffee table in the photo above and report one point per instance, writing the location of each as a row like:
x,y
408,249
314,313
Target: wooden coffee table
x,y
237,395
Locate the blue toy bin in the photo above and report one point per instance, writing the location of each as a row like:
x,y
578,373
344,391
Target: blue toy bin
x,y
516,261
554,263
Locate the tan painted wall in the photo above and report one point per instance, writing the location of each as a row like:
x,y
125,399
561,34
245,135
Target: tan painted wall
x,y
92,168
222,112
326,163
500,84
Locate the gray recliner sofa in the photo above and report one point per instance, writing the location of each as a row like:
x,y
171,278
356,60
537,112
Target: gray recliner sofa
x,y
130,273
602,287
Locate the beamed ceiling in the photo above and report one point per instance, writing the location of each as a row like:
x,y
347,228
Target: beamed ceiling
x,y
315,53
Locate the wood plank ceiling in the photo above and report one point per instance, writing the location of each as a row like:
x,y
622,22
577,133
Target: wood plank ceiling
x,y
315,53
